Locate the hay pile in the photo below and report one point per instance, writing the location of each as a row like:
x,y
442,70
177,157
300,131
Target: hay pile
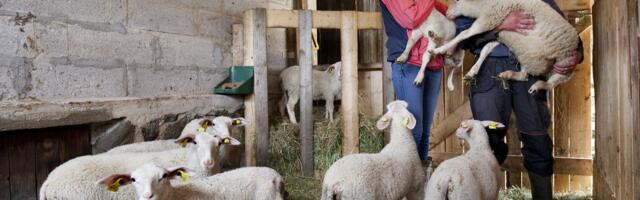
x,y
284,150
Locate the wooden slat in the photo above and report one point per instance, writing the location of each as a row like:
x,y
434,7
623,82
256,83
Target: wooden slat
x,y
255,37
306,92
322,19
237,45
349,105
22,167
513,178
5,170
388,95
447,126
47,152
563,165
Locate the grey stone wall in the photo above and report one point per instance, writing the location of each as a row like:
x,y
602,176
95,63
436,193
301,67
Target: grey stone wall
x,y
117,48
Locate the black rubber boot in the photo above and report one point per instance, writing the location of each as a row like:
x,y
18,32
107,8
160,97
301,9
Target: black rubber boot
x,y
541,187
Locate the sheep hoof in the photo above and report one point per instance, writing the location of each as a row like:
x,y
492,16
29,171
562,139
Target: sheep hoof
x,y
469,80
539,85
401,60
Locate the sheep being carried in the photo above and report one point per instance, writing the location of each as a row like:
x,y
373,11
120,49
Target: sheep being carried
x,y
552,41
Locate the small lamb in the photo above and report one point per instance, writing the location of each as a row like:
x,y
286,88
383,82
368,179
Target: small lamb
x,y
220,126
326,85
394,173
438,30
473,175
153,182
75,179
551,41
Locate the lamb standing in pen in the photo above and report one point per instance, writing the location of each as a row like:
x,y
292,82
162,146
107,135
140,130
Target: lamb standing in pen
x,y
326,85
473,175
153,182
551,41
220,126
76,178
438,29
394,173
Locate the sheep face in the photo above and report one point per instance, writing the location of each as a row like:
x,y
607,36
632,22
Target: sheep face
x,y
460,7
222,125
397,110
468,126
335,70
150,181
206,145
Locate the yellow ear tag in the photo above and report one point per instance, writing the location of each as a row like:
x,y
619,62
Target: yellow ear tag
x,y
236,122
115,185
183,144
405,122
493,125
184,176
201,129
226,141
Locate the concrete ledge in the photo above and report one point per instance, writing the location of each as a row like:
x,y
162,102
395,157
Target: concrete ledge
x,y
15,115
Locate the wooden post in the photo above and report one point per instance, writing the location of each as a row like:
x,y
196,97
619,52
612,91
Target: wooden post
x,y
349,106
257,104
305,56
387,86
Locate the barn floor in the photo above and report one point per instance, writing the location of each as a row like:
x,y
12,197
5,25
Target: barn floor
x,y
284,156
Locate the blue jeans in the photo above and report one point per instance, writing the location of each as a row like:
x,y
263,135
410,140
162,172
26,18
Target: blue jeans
x,y
422,100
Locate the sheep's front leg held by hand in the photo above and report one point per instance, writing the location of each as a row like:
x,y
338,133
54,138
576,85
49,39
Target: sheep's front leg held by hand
x,y
426,57
475,29
415,36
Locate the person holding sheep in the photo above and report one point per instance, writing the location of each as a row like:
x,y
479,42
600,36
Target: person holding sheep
x,y
494,99
400,17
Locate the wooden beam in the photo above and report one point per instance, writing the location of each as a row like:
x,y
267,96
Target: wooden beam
x,y
574,5
445,129
562,165
306,92
349,105
237,45
322,19
256,105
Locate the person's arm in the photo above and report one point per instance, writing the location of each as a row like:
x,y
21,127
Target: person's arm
x,y
409,13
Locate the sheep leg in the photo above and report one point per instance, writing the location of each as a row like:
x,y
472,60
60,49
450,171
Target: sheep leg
x,y
553,81
522,75
282,104
476,28
328,113
415,36
291,106
486,50
426,57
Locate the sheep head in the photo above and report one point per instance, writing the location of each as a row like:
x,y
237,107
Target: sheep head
x,y
468,128
218,125
397,110
206,146
150,181
335,70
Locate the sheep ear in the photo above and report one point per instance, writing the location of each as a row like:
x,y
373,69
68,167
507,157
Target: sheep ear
x,y
240,121
383,122
492,124
188,138
179,172
206,123
113,182
231,141
409,122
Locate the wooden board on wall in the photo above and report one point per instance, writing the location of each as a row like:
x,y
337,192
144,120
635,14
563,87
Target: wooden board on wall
x,y
22,168
5,186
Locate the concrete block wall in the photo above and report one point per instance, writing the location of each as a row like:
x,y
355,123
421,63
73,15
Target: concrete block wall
x,y
118,48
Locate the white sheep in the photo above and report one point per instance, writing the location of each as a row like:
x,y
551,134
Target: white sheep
x,y
220,125
326,86
473,175
153,182
437,29
552,40
393,173
76,178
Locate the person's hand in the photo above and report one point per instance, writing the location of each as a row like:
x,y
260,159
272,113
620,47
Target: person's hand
x,y
517,22
570,64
